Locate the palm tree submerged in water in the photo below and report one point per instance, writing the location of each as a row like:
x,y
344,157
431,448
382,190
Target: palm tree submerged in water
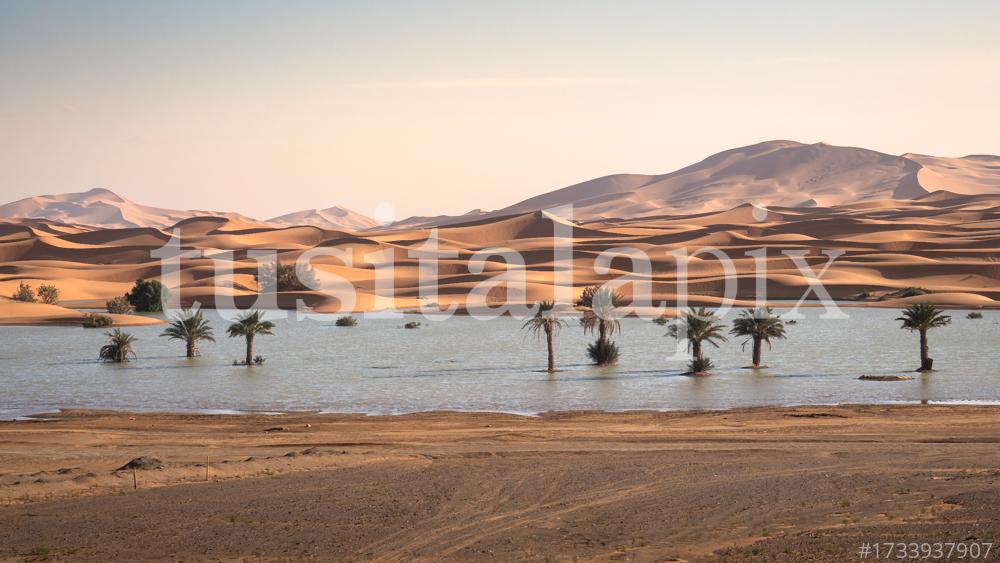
x,y
758,325
248,326
190,327
119,347
698,326
600,319
545,322
922,317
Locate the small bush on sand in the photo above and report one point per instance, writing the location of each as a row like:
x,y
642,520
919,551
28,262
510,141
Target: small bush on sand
x,y
412,324
974,315
662,320
48,294
94,320
347,320
119,306
24,293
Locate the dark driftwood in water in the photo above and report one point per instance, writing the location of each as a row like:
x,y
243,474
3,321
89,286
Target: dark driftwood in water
x,y
885,377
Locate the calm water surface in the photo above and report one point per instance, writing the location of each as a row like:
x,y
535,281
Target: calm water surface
x,y
469,365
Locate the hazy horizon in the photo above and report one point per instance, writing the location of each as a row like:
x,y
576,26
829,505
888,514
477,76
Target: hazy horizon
x,y
444,107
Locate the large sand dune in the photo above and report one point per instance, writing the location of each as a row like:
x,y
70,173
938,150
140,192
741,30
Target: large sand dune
x,y
773,173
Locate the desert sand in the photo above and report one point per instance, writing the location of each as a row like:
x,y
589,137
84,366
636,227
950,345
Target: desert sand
x,y
788,484
942,242
19,313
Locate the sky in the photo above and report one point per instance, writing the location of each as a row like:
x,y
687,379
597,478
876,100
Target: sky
x,y
429,108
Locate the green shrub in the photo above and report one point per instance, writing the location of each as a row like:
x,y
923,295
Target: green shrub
x,y
288,277
347,320
119,306
662,320
701,365
974,315
48,294
911,292
412,324
603,352
24,293
94,320
147,296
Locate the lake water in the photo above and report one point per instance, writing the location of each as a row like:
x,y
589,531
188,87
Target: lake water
x,y
470,365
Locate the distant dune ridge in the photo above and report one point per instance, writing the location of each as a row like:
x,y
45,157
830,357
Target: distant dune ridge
x,y
103,208
772,173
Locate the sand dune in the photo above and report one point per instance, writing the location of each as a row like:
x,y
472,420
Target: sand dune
x,y
18,313
772,174
335,217
947,244
100,207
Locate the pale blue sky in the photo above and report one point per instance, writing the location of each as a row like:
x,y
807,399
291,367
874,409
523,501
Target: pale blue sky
x,y
440,107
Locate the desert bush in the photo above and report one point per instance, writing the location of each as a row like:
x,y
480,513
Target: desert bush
x,y
347,320
48,294
119,306
603,352
24,293
662,320
412,324
147,296
911,292
288,277
974,315
94,320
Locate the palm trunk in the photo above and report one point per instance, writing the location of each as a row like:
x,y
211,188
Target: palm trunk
x,y
696,349
757,341
190,348
552,351
925,359
249,349
602,331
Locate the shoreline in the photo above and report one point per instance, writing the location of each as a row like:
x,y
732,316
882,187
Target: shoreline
x,y
72,315
693,485
74,411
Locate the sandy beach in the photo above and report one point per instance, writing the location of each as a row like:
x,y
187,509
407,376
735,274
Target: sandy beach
x,y
761,484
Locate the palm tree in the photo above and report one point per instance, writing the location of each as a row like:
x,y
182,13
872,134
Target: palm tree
x,y
698,326
600,319
248,326
190,327
759,325
546,322
119,347
922,317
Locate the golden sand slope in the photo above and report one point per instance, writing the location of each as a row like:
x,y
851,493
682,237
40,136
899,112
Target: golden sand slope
x,y
943,242
18,313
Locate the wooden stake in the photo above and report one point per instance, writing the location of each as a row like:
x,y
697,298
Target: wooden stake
x,y
206,467
135,481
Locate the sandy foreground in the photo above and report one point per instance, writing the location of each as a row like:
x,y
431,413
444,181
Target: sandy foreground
x,y
787,484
